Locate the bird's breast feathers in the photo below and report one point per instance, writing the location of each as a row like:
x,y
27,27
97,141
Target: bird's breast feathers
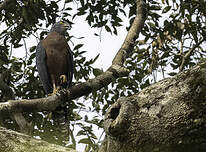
x,y
55,42
57,53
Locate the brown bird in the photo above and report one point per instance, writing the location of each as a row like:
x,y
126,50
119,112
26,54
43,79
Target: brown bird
x,y
54,59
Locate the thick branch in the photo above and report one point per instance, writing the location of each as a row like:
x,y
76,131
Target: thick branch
x,y
12,141
133,34
52,102
167,116
97,83
33,105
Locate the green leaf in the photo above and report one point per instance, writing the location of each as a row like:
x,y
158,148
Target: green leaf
x,y
81,132
95,59
32,56
82,2
16,45
152,25
84,141
166,9
123,11
82,52
80,13
97,72
68,1
68,8
132,11
172,73
78,46
108,29
32,49
155,7
96,34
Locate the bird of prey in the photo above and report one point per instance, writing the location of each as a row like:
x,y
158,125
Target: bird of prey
x,y
54,59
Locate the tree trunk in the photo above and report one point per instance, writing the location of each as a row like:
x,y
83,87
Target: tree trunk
x,y
168,116
12,141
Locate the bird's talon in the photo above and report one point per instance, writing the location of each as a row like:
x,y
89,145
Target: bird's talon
x,y
50,94
63,79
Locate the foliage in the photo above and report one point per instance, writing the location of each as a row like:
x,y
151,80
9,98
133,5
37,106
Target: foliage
x,y
171,41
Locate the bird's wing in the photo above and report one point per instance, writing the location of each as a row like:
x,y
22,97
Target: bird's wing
x,y
42,68
71,66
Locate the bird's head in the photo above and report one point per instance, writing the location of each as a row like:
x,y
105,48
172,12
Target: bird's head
x,y
60,27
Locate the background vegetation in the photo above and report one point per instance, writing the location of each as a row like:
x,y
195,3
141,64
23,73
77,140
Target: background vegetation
x,y
172,40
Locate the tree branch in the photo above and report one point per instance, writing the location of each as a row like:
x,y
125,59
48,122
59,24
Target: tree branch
x,y
52,102
166,116
13,141
133,33
116,70
188,54
32,105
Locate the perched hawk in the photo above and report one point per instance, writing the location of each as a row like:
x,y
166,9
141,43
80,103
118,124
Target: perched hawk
x,y
54,59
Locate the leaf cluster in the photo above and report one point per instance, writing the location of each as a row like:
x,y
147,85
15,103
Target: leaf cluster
x,y
171,41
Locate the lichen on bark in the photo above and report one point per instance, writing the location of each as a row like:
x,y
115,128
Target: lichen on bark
x,y
12,141
167,116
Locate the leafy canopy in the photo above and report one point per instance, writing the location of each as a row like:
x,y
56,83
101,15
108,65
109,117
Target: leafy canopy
x,y
172,40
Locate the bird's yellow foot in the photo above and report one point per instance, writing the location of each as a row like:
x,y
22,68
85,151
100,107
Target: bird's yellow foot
x,y
50,94
63,79
55,91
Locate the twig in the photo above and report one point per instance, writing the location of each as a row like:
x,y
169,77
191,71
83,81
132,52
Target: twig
x,y
188,54
133,33
25,47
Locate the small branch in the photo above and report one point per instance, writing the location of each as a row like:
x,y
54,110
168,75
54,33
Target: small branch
x,y
188,54
133,33
25,47
181,46
24,126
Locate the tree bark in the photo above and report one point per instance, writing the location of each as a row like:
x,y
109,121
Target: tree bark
x,y
168,116
12,141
